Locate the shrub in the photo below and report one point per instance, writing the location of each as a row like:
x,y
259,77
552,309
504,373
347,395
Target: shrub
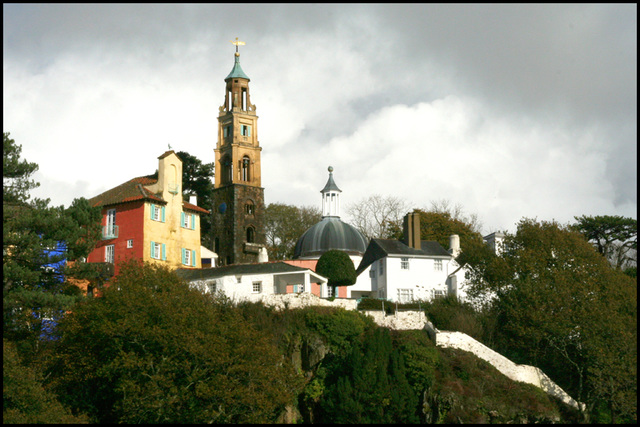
x,y
337,267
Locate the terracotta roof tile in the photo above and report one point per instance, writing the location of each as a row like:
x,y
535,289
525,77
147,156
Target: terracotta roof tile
x,y
187,205
127,192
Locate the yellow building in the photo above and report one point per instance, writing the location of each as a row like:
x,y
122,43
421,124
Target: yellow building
x,y
146,218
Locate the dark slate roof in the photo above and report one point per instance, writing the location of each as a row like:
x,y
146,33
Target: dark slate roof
x,y
129,191
133,190
331,185
380,248
330,233
190,274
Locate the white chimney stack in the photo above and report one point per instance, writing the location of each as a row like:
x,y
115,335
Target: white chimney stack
x,y
454,245
193,199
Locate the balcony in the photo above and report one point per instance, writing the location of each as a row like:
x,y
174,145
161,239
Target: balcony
x,y
109,232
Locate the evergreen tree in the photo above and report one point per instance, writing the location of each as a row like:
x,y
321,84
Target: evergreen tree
x,y
197,179
37,240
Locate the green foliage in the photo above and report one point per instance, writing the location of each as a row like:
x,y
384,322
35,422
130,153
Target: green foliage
x,y
337,267
339,327
420,356
467,390
284,225
197,179
372,387
152,350
615,237
24,399
439,226
451,314
33,275
16,173
561,307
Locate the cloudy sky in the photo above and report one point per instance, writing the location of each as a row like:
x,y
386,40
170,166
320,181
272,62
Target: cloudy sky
x,y
510,111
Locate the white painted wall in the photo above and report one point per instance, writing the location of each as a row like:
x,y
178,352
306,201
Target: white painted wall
x,y
422,278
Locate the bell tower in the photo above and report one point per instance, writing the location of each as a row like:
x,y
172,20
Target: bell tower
x,y
238,211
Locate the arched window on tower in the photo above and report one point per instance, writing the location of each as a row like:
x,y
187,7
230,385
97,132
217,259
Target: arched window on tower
x,y
251,234
246,163
249,207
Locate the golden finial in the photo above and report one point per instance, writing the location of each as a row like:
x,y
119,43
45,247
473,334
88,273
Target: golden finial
x,y
237,43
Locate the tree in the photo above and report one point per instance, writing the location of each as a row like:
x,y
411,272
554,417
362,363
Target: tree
x,y
615,237
25,400
37,241
337,267
373,388
197,179
561,307
378,216
456,212
154,350
439,226
284,225
16,174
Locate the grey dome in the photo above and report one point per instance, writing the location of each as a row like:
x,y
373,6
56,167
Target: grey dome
x,y
330,233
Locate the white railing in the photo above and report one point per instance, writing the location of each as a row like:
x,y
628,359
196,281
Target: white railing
x,y
109,232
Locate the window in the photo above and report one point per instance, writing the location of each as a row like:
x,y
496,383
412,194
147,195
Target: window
x,y
157,213
405,295
110,230
213,286
250,234
298,289
437,265
372,273
188,221
330,291
249,208
188,257
109,253
226,131
246,163
158,251
129,243
404,263
381,264
257,287
245,130
437,293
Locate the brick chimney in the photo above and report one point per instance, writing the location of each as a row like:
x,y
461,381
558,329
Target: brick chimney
x,y
411,230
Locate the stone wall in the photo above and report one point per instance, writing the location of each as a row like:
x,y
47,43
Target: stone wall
x,y
281,301
523,373
410,320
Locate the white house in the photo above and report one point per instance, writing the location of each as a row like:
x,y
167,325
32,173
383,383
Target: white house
x,y
254,281
414,269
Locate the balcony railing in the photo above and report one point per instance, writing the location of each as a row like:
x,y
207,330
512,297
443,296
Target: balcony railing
x,y
109,232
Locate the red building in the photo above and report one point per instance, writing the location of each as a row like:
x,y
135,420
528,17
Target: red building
x,y
146,218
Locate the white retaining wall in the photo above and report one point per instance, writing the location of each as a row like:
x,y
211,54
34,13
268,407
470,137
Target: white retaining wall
x,y
304,299
524,373
408,320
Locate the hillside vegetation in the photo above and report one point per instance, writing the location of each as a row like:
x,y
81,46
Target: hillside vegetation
x,y
154,350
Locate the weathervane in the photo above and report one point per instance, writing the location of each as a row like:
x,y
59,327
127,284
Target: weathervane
x,y
237,43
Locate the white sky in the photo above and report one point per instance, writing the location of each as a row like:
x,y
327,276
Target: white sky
x,y
511,111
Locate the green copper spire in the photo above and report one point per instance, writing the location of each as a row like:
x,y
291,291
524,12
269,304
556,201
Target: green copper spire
x,y
237,72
